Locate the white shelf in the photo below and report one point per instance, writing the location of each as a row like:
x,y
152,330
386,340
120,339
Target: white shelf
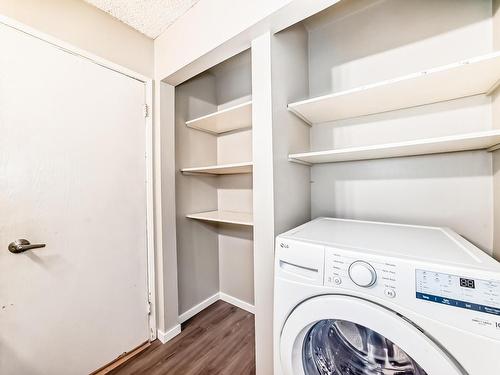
x,y
235,168
229,119
479,75
462,142
230,217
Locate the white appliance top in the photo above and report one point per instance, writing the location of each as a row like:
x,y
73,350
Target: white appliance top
x,y
431,244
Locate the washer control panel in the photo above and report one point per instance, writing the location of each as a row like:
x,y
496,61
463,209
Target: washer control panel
x,y
458,291
418,287
350,272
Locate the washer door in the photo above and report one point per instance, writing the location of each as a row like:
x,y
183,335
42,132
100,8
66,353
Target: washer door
x,y
342,335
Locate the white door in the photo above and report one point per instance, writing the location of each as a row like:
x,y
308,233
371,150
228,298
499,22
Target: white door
x,y
338,334
72,176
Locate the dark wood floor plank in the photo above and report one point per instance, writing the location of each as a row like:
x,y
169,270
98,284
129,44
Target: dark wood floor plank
x,y
232,339
195,328
218,341
208,347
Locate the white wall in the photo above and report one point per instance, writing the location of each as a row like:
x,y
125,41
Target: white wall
x,y
233,80
452,190
358,42
201,40
85,27
236,269
363,41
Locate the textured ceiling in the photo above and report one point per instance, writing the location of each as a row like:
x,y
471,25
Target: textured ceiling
x,y
150,17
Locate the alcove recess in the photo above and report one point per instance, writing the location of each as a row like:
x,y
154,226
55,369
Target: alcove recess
x,y
213,142
401,101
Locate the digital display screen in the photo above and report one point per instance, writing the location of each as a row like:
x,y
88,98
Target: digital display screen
x,y
457,291
467,283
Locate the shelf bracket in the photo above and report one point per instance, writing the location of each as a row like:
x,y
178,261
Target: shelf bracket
x,y
299,162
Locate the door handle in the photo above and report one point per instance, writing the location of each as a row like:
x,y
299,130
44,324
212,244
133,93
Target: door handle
x,y
20,246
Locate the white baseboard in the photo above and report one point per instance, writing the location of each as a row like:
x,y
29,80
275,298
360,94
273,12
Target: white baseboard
x,y
237,302
199,307
170,334
202,306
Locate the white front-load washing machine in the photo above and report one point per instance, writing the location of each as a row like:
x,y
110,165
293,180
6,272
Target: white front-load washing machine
x,y
356,297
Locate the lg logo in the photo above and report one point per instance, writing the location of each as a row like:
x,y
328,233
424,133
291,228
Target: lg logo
x,y
284,245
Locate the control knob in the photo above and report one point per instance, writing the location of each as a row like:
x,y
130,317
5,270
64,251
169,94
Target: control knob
x,y
362,274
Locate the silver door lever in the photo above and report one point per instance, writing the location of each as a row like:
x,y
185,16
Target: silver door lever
x,y
20,246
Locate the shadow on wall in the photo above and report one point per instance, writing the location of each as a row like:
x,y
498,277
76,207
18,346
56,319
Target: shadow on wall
x,y
224,85
363,33
437,166
451,190
466,115
200,94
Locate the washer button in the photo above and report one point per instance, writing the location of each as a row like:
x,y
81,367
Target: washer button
x,y
391,293
337,280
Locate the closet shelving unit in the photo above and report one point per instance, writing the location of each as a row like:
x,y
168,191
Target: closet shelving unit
x,y
232,119
479,75
219,216
214,187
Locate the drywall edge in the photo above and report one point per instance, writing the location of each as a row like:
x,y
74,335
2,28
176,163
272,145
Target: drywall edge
x,y
166,265
263,201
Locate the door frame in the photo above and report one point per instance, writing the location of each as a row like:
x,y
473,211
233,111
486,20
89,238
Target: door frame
x,y
153,198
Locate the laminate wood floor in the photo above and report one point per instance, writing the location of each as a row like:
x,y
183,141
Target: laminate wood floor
x,y
219,340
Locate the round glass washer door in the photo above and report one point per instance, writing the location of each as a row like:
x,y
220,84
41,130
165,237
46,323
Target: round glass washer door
x,y
343,335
